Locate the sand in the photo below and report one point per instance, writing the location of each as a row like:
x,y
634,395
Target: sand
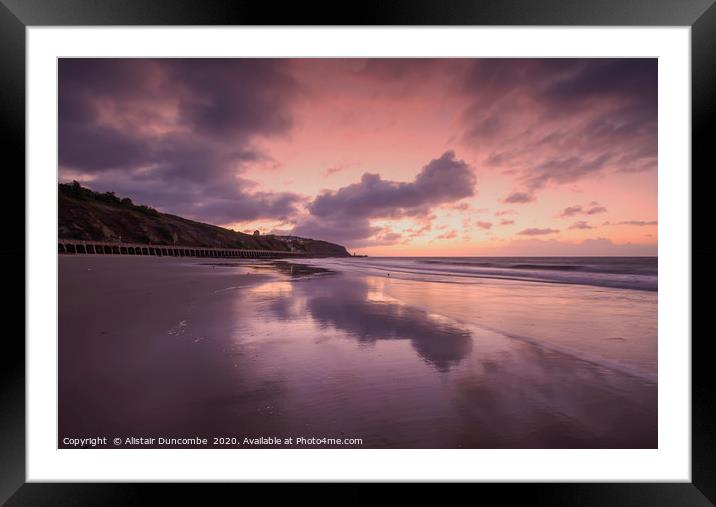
x,y
163,348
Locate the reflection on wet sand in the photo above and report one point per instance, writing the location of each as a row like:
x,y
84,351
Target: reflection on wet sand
x,y
511,394
345,306
533,397
216,350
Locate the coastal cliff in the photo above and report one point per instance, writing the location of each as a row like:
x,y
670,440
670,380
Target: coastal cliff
x,y
88,215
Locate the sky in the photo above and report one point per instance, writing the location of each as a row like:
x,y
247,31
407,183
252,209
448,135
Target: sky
x,y
394,157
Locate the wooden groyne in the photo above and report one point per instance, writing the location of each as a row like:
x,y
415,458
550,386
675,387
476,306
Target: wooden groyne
x,y
72,246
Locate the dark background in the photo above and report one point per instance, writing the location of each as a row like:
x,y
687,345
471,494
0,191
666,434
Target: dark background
x,y
15,15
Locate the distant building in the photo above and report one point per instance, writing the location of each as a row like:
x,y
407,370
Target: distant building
x,y
257,233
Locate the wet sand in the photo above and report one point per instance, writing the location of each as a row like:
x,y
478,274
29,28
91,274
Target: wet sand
x,y
183,348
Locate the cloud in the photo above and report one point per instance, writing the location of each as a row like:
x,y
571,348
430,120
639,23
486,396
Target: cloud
x,y
448,235
345,214
234,98
638,223
590,247
486,126
254,205
537,232
571,211
558,121
381,237
519,198
391,236
563,170
346,231
505,212
333,170
507,222
444,179
484,225
416,232
593,209
176,133
102,148
581,225
596,209
463,206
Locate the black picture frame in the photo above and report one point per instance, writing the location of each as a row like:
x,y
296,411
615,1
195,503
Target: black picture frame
x,y
17,15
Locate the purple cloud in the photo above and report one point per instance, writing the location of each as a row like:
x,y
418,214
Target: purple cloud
x,y
519,198
344,214
638,223
537,232
581,225
579,210
571,211
333,170
448,235
557,121
444,179
564,170
176,133
353,233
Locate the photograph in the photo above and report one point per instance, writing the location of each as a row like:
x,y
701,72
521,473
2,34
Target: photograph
x,y
357,253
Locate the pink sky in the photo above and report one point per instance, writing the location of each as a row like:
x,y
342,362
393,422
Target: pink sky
x,y
468,157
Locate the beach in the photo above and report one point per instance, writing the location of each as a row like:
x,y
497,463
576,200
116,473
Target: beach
x,y
382,353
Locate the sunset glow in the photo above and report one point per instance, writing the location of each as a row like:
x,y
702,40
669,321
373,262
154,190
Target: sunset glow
x,y
410,157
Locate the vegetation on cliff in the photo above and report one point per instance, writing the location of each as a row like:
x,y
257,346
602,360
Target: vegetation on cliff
x,y
88,215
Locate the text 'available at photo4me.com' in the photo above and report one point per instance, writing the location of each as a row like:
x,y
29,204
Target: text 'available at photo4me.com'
x,y
207,442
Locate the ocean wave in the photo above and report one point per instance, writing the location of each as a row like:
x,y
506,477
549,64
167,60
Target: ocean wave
x,y
619,273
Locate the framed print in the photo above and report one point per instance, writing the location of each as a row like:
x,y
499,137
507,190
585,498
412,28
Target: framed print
x,y
425,244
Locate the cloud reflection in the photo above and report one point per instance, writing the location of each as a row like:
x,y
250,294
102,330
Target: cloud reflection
x,y
347,305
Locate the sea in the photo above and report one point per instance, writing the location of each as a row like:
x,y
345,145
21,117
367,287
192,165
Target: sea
x,y
635,273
